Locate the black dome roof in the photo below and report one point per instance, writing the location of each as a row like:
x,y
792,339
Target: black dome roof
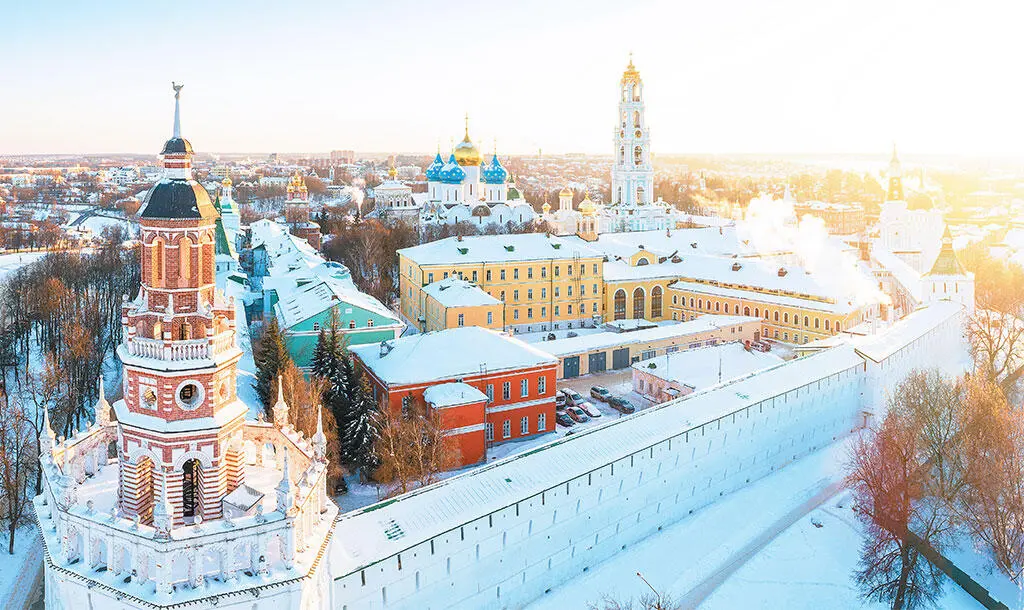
x,y
177,145
175,199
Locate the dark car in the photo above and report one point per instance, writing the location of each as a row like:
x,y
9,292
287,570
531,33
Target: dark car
x,y
621,404
564,419
559,401
600,393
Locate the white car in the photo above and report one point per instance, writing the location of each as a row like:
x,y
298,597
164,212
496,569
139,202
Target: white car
x,y
589,408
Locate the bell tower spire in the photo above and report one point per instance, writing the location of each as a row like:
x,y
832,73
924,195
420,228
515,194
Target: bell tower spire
x,y
895,191
177,108
632,173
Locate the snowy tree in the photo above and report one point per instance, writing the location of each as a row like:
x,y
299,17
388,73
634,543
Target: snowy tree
x,y
361,431
889,484
18,460
270,356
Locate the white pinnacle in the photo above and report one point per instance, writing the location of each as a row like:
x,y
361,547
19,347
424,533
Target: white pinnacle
x,y
177,108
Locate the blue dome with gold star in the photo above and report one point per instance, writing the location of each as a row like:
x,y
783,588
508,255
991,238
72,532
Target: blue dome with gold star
x,y
494,173
434,170
451,173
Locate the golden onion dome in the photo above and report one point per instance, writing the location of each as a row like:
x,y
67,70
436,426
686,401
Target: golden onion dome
x,y
226,181
565,192
631,75
466,153
392,172
546,207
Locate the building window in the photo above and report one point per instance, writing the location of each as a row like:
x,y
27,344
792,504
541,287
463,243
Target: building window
x,y
445,275
543,312
502,296
828,323
506,429
316,327
529,294
543,293
515,314
543,272
515,295
529,313
501,274
488,432
569,310
487,275
515,273
490,392
529,273
569,291
351,323
462,319
430,278
542,385
557,291
837,325
524,425
638,303
595,268
595,306
656,302
542,422
817,323
620,305
369,322
556,310
568,269
506,390
556,270
474,277
594,292
490,317
716,305
776,316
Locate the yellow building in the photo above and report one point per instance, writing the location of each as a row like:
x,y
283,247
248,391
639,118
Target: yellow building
x,y
545,282
548,283
455,302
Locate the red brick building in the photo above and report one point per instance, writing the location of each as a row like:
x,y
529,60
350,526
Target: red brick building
x,y
486,386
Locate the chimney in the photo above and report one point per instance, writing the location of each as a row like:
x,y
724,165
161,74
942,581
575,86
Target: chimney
x,y
385,348
782,272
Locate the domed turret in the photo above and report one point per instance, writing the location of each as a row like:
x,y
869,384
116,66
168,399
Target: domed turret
x,y
587,207
433,172
546,208
226,181
451,173
494,173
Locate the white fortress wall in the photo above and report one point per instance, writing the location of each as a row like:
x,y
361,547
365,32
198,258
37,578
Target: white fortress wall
x,y
501,535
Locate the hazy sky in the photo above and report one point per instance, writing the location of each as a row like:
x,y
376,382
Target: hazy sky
x,y
397,76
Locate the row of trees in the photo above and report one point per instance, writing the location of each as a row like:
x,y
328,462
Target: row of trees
x,y
947,460
400,450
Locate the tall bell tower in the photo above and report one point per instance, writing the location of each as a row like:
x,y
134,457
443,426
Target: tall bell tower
x,y
632,172
895,190
181,421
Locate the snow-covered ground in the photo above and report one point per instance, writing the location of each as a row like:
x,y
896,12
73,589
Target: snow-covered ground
x,y
811,567
9,263
18,571
802,568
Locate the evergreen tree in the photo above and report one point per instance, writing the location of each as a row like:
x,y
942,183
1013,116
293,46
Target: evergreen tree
x,y
360,432
270,357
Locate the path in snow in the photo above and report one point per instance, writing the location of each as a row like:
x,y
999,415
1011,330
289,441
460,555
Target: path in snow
x,y
698,594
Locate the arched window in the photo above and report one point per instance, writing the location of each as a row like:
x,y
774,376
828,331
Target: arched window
x,y
620,304
837,326
201,275
817,323
636,92
638,155
638,303
691,302
156,259
636,118
828,324
641,262
700,304
807,321
785,317
656,302
622,154
757,312
184,261
746,311
776,316
717,304
191,484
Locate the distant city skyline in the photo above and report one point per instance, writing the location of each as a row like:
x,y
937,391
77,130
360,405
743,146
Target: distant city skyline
x,y
741,76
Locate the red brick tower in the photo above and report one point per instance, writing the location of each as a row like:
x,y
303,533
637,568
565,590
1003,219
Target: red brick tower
x,y
180,424
296,212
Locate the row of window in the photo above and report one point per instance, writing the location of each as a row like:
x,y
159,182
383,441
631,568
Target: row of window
x,y
524,427
718,306
503,275
524,388
351,324
639,303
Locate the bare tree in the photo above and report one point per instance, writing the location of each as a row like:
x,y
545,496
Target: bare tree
x,y
888,484
993,500
18,460
413,450
304,398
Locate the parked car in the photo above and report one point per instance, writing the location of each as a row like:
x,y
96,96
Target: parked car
x,y
761,346
621,404
564,419
589,408
600,393
559,401
572,397
577,414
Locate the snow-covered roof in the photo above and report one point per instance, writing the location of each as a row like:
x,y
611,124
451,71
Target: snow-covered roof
x,y
457,292
881,345
308,300
362,537
842,307
452,394
497,249
605,340
447,354
714,241
906,275
704,367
